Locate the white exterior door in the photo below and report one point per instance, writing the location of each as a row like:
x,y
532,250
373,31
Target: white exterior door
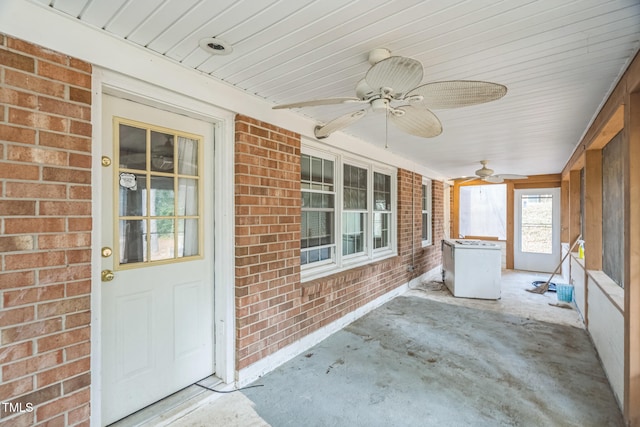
x,y
537,230
157,255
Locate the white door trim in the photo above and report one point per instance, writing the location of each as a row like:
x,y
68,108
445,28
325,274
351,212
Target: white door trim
x,y
224,267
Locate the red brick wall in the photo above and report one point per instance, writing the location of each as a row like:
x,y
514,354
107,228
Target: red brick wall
x,y
410,224
267,199
45,240
274,309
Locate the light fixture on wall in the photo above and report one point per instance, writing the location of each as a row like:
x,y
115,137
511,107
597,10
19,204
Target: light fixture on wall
x,y
215,46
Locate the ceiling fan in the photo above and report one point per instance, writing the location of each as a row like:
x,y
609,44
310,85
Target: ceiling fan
x,y
486,174
392,85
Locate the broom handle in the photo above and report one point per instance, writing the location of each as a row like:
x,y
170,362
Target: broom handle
x,y
563,258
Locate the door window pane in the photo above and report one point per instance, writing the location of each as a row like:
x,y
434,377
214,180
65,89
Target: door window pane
x,y
162,196
162,239
132,147
158,202
132,194
187,156
133,241
188,237
162,154
187,197
537,223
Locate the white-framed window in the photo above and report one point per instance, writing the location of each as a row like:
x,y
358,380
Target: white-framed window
x,y
427,216
348,211
354,210
382,211
317,233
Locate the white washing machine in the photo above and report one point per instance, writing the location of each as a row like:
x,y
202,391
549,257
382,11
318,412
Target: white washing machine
x,y
472,268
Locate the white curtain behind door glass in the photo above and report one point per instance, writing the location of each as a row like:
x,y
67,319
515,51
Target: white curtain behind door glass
x,y
188,196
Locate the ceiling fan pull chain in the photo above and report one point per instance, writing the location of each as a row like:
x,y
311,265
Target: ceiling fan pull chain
x,y
386,129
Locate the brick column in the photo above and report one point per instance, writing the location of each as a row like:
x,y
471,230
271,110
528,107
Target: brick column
x,y
45,236
267,238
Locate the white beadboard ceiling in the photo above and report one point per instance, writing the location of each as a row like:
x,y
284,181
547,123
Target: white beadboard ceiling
x,y
558,58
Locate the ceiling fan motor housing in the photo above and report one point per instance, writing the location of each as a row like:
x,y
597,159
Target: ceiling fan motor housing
x,y
484,172
380,104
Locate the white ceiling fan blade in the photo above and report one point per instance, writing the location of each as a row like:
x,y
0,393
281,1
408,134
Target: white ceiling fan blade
x,y
316,102
511,176
493,179
458,93
396,72
417,121
338,123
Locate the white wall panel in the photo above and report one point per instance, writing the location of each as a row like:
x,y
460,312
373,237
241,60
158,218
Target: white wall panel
x,y
606,326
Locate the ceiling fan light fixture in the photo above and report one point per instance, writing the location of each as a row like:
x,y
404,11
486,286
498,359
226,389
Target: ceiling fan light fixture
x,y
215,46
380,104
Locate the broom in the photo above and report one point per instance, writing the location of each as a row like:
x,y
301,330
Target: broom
x,y
545,287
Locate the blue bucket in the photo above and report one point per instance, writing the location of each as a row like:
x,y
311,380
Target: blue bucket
x,y
564,292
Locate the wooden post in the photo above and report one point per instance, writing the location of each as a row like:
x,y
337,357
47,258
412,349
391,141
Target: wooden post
x,y
455,214
593,210
564,211
510,223
632,263
574,205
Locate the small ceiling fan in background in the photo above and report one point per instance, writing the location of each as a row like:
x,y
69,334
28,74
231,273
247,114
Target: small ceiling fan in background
x,y
486,174
392,85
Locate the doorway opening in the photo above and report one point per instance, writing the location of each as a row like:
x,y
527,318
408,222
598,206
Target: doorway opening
x,y
536,229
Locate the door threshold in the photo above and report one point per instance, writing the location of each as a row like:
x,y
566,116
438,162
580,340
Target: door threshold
x,y
171,407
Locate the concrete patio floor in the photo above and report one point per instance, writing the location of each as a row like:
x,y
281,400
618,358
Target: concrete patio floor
x,y
428,359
